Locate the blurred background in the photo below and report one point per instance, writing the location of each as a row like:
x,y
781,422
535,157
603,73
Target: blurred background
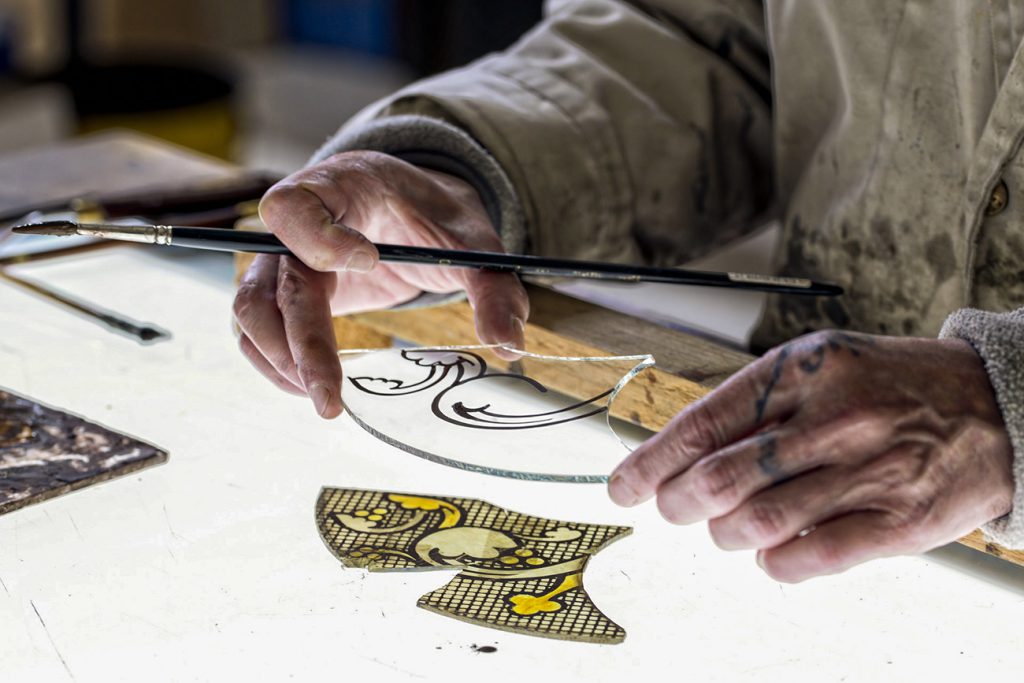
x,y
258,82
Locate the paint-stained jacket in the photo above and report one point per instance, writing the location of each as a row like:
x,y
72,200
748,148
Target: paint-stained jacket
x,y
885,136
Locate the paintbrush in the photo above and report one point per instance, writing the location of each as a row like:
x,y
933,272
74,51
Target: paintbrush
x,y
144,333
219,239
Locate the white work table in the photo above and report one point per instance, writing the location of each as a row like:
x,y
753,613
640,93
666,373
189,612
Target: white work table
x,y
210,567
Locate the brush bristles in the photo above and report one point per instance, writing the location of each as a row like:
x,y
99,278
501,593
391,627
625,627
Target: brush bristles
x,y
58,228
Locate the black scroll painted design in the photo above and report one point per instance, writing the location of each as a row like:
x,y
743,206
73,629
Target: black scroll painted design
x,y
451,372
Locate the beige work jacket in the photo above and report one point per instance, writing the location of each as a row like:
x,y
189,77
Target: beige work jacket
x,y
655,131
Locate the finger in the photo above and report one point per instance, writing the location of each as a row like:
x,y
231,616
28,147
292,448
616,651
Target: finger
x,y
781,512
830,548
500,307
296,212
303,297
720,482
757,395
259,362
259,317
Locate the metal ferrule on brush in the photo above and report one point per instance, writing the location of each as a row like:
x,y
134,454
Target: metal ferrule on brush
x,y
145,234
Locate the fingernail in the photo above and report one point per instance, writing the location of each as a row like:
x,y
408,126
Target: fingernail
x,y
621,492
321,395
518,333
360,262
759,558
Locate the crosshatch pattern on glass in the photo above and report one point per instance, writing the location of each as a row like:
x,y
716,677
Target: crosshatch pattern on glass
x,y
474,600
519,572
450,406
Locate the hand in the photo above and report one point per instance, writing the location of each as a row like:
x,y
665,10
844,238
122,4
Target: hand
x,y
832,450
329,215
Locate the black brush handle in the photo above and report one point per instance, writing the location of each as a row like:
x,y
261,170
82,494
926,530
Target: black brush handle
x,y
266,243
223,239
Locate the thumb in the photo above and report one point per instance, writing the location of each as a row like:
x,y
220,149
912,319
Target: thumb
x,y
294,211
500,309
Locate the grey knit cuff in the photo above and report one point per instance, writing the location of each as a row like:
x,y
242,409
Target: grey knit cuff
x,y
434,144
999,340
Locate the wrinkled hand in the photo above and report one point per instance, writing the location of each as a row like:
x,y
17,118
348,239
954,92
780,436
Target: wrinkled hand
x,y
832,450
329,215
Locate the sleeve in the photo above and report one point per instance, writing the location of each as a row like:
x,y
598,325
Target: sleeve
x,y
999,340
620,131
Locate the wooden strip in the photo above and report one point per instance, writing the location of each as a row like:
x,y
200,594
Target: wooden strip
x,y
976,540
700,361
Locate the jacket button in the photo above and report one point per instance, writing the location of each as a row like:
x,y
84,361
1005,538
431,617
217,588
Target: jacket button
x,y
998,200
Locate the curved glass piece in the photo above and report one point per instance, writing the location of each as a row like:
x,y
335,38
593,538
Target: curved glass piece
x,y
463,407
